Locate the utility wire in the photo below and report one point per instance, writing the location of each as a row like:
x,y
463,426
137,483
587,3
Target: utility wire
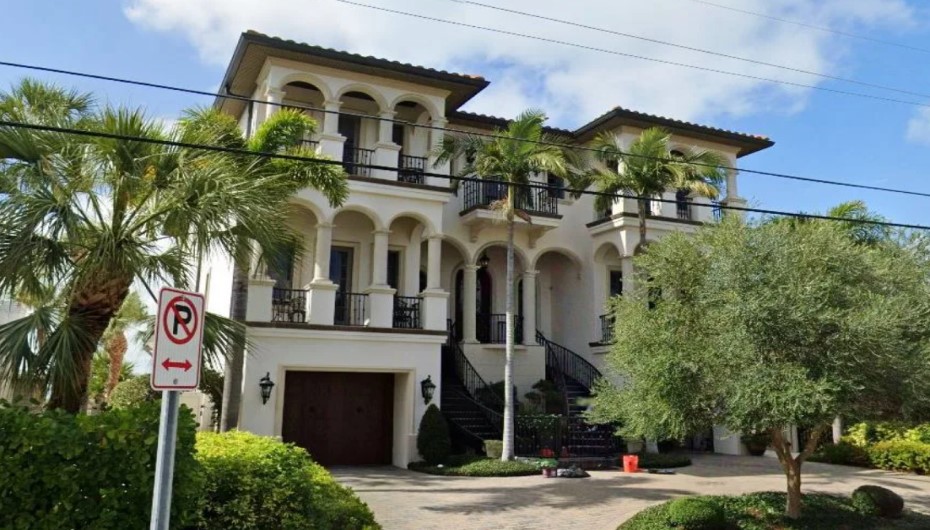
x,y
813,26
304,106
695,49
453,178
634,56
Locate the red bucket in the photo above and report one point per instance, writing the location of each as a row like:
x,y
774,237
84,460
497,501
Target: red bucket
x,y
630,463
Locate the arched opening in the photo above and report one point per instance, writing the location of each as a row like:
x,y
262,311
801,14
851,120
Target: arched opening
x,y
350,265
406,262
490,295
560,311
304,94
359,131
292,268
609,280
413,140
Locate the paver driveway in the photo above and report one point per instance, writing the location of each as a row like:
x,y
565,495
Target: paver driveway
x,y
404,499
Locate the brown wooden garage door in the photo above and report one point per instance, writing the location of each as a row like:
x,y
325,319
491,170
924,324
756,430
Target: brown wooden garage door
x,y
341,418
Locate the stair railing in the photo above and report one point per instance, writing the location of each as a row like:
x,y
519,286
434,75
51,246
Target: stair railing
x,y
469,377
568,363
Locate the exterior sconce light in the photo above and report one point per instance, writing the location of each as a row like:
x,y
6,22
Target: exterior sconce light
x,y
484,260
427,387
266,384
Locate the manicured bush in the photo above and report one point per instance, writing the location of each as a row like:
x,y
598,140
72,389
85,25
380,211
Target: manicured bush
x,y
876,500
133,391
695,513
663,460
901,455
919,433
254,482
843,453
867,433
494,448
59,471
433,441
477,466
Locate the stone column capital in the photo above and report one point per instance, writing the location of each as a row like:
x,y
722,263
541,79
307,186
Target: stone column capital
x,y
530,273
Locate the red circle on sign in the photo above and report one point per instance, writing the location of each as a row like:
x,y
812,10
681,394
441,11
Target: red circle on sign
x,y
186,328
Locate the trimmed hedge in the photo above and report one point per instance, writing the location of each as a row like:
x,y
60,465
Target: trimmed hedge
x,y
843,453
433,441
477,466
876,500
257,482
695,513
96,472
663,460
132,392
901,455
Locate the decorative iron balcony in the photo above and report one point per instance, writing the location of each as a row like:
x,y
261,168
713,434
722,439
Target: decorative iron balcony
x,y
717,210
356,160
607,328
350,309
480,194
411,169
288,305
683,208
492,328
407,312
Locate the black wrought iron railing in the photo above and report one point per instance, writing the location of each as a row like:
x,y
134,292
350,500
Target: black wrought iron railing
x,y
717,210
478,194
476,386
356,160
607,328
288,305
683,209
411,169
568,362
407,312
350,309
492,328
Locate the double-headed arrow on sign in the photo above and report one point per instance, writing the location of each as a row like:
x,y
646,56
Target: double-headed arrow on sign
x,y
169,364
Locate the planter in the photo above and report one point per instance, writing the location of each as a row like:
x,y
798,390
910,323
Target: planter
x,y
548,472
756,444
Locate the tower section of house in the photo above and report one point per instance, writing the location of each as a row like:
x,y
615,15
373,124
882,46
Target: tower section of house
x,y
406,281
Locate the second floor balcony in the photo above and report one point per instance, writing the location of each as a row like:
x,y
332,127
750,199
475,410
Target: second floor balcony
x,y
481,197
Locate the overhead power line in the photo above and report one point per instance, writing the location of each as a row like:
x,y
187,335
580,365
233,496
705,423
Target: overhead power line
x,y
454,178
634,56
303,106
824,29
695,49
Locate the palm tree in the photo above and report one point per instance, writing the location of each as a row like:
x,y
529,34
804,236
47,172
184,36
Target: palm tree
x,y
511,156
649,168
115,343
95,216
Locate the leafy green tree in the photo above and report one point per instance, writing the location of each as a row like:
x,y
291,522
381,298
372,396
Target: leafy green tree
x,y
650,167
93,216
764,326
512,155
101,374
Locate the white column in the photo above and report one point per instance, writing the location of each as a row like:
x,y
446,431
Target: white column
x,y
733,198
436,135
386,151
380,294
529,307
321,298
273,95
470,304
331,141
433,261
258,308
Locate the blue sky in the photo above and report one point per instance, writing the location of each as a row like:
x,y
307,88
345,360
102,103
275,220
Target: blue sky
x,y
817,134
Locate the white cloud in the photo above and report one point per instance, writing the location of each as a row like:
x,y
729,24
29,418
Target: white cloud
x,y
573,85
918,128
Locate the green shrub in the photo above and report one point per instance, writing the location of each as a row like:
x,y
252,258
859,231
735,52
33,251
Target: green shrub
x,y
433,441
133,391
254,482
919,433
876,500
843,453
494,448
901,455
663,460
61,471
477,466
864,434
692,513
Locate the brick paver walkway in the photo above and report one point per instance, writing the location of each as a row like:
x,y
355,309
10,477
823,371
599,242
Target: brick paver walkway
x,y
403,500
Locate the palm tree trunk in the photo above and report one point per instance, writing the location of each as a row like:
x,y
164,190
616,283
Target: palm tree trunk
x,y
116,351
643,205
232,373
92,309
508,449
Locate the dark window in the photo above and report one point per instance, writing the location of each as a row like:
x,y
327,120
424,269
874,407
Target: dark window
x,y
422,280
397,135
683,204
556,182
616,283
340,267
393,268
281,270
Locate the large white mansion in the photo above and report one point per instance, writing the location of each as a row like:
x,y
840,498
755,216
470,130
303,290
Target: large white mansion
x,y
405,281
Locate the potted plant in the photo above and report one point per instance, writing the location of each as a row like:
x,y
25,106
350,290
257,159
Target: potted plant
x,y
756,443
548,467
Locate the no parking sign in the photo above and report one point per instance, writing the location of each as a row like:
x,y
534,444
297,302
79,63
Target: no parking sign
x,y
178,337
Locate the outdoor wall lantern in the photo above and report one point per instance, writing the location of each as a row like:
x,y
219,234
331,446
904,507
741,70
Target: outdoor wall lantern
x,y
484,260
427,388
266,384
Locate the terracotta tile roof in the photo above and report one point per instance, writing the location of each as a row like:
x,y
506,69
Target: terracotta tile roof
x,y
621,111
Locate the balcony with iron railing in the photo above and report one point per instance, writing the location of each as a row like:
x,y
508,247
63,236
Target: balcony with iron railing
x,y
350,309
483,193
407,312
357,161
288,305
607,328
491,328
411,169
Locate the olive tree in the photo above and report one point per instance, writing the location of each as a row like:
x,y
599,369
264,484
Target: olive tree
x,y
761,326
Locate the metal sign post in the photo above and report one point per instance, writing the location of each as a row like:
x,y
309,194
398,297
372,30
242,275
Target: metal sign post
x,y
178,338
